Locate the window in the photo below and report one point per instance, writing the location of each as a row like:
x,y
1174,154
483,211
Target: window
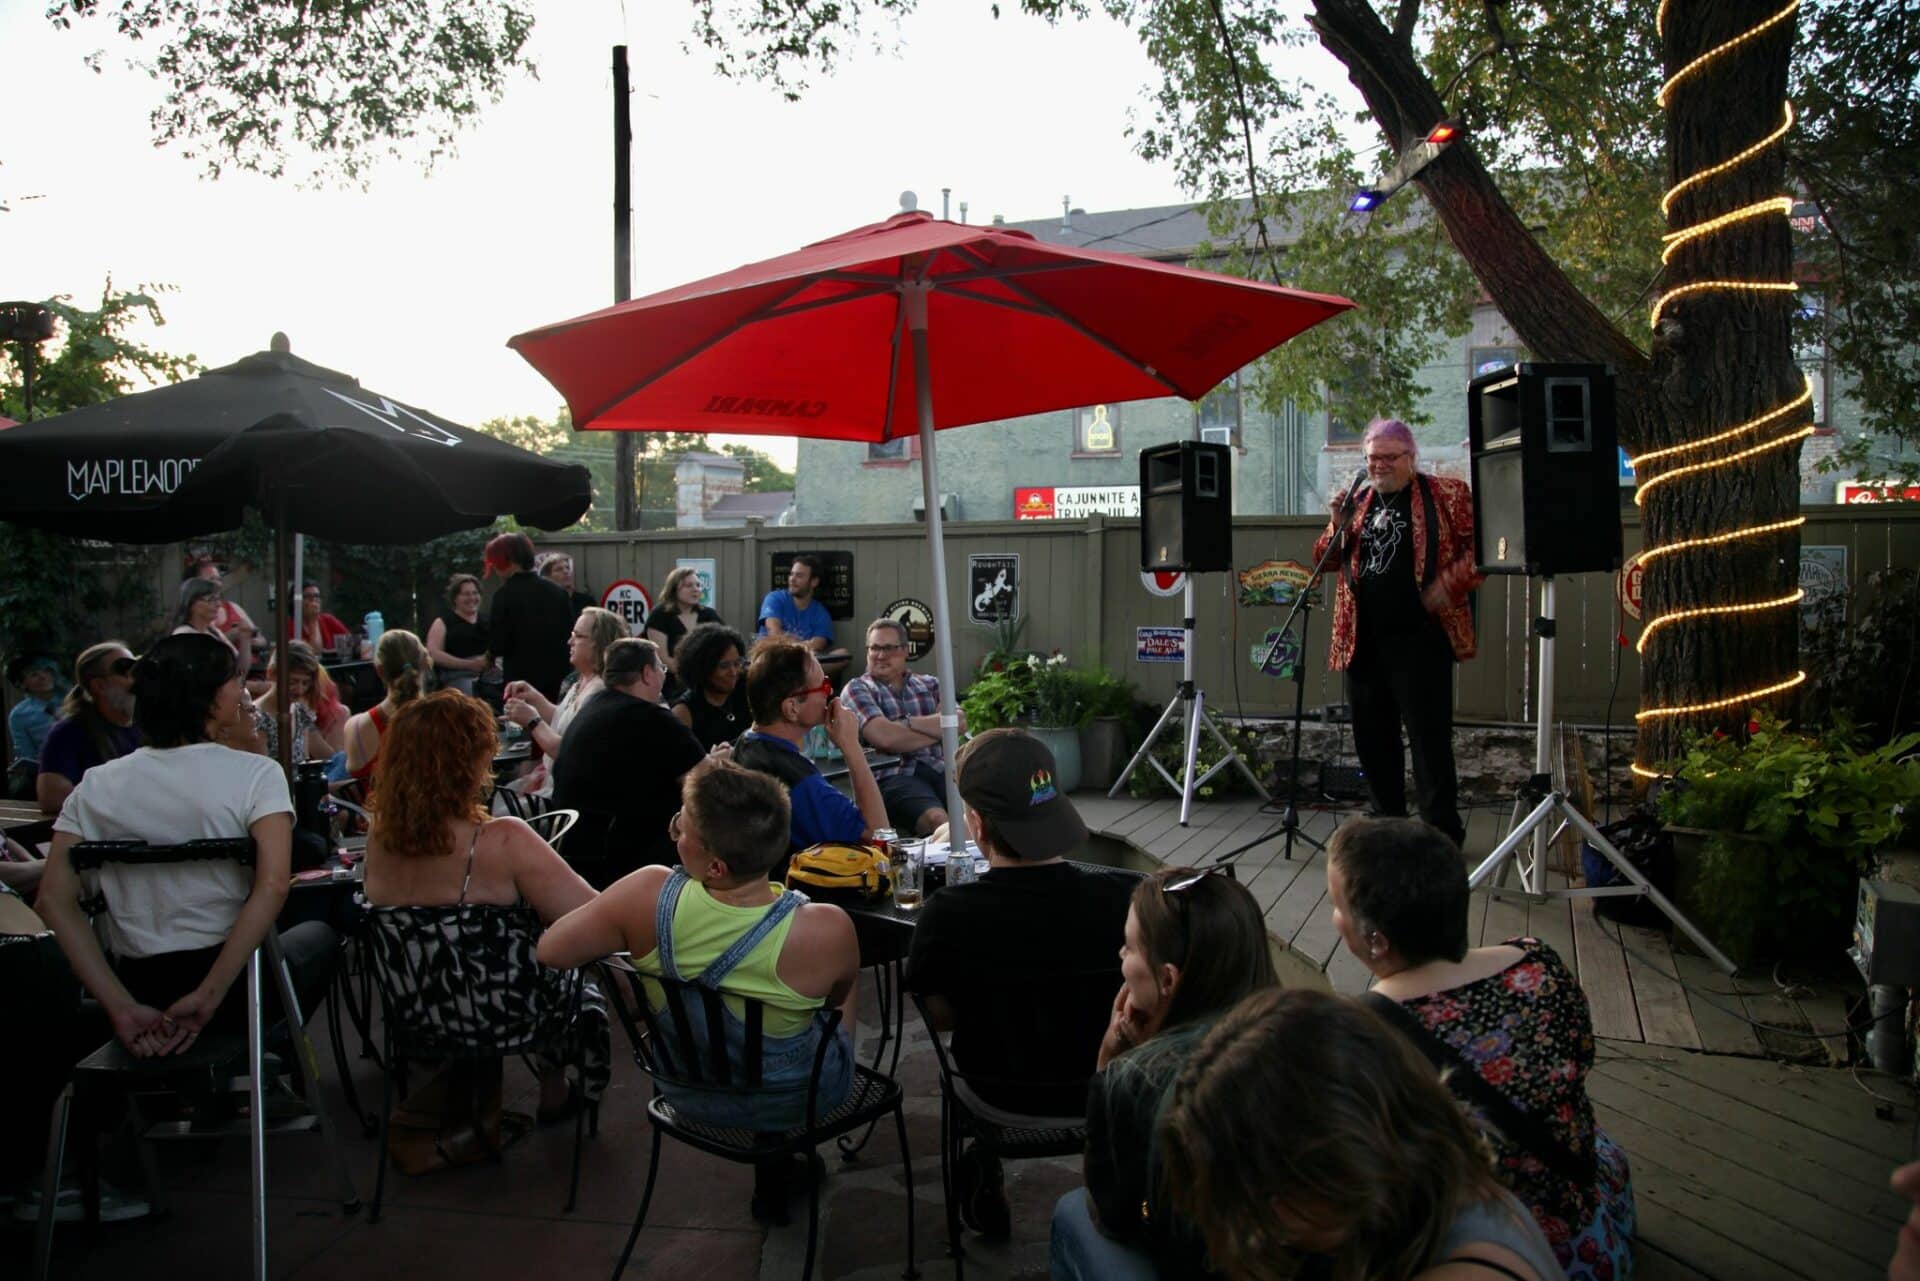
x,y
1349,404
1810,349
901,449
1096,431
1218,413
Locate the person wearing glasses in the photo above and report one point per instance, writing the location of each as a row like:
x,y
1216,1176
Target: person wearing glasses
x,y
1403,568
95,724
899,713
789,695
623,810
1196,945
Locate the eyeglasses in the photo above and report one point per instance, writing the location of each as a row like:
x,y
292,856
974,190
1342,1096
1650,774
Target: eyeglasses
x,y
824,689
1387,458
1181,884
884,649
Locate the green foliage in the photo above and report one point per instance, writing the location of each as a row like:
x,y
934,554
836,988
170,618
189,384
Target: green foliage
x,y
1027,689
344,80
1171,752
1006,651
1862,672
1798,816
57,593
999,697
764,476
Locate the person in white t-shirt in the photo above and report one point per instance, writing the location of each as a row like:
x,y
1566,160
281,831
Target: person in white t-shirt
x,y
180,933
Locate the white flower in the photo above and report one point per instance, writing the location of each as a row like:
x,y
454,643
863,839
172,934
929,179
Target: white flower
x,y
1033,660
1058,660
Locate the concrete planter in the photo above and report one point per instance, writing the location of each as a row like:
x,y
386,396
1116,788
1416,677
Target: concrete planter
x,y
1064,743
1103,752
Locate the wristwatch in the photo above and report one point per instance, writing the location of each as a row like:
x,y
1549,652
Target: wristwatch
x,y
535,723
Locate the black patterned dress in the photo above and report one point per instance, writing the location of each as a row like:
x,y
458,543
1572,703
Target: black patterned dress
x,y
1528,1033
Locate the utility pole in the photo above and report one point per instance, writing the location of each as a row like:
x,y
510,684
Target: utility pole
x,y
625,515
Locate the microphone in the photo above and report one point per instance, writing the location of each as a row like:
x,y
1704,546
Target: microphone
x,y
1359,479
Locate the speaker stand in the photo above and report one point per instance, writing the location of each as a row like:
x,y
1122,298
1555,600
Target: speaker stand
x,y
1549,803
1189,704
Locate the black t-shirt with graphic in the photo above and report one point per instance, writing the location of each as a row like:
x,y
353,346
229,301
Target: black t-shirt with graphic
x,y
1383,584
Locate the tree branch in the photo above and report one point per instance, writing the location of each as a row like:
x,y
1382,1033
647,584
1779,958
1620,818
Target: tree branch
x,y
1404,22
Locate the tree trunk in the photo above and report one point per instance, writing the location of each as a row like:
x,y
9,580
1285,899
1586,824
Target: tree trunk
x,y
1721,359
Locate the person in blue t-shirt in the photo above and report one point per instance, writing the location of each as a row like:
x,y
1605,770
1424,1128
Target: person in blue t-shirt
x,y
789,695
795,613
38,677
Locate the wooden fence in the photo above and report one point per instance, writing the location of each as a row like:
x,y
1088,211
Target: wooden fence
x,y
1081,593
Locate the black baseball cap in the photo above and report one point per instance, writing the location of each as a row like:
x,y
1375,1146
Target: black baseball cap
x,y
1009,776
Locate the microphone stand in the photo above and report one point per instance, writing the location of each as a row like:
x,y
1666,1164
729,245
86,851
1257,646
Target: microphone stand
x,y
1303,606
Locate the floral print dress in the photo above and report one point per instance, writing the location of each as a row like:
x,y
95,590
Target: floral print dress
x,y
1528,1033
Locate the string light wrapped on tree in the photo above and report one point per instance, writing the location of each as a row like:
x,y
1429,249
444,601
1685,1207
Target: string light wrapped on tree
x,y
1710,197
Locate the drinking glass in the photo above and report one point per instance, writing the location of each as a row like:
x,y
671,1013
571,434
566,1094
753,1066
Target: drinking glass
x,y
909,864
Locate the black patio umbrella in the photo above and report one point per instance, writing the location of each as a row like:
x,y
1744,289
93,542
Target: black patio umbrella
x,y
307,447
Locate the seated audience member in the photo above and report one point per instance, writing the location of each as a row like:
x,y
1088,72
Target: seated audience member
x,y
713,659
793,612
304,674
679,610
28,724
1510,1014
1303,1124
230,621
546,721
319,629
433,847
531,617
557,568
181,933
899,713
620,764
401,663
1905,1264
1196,945
789,695
95,725
199,608
457,637
1033,920
717,920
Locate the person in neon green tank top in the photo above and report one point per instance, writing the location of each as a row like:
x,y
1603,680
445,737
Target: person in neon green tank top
x,y
731,829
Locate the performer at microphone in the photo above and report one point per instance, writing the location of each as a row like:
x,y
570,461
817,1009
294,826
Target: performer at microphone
x,y
1400,620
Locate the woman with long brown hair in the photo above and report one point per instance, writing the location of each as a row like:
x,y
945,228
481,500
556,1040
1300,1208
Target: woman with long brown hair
x,y
434,848
1196,944
1303,1124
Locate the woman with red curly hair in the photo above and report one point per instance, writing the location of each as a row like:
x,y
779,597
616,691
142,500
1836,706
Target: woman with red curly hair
x,y
440,867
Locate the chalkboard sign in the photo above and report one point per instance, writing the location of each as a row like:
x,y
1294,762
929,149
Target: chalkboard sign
x,y
835,588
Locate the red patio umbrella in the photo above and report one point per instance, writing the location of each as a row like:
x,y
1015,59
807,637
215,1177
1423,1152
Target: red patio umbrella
x,y
909,326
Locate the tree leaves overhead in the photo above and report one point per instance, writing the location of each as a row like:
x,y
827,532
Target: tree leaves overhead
x,y
249,83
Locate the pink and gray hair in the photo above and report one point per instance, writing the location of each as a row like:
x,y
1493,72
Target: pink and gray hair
x,y
1390,429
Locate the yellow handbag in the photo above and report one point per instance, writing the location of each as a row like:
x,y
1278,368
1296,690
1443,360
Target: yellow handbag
x,y
831,865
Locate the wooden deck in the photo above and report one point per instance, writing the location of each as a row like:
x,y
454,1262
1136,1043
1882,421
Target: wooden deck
x,y
1743,1167
1639,987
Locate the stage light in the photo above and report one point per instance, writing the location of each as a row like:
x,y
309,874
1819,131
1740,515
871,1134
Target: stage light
x,y
1443,133
1366,201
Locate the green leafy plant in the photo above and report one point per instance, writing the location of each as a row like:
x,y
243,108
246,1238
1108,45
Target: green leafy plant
x,y
999,697
1059,700
1171,752
1006,651
1794,817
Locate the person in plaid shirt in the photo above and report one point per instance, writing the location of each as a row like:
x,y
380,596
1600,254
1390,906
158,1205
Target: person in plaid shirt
x,y
899,714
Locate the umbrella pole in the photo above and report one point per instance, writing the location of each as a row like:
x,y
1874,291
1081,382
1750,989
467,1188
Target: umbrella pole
x,y
282,567
916,304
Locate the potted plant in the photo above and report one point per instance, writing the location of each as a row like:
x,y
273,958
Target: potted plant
x,y
1104,735
1772,828
1059,709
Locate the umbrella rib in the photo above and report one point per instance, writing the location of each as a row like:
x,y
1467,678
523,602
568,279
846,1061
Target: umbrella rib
x,y
893,371
713,339
1038,306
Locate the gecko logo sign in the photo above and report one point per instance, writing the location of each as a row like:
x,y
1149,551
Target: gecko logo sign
x,y
392,415
126,477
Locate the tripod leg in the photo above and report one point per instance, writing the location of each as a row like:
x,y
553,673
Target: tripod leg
x,y
1196,712
1146,748
1626,868
1496,862
1231,757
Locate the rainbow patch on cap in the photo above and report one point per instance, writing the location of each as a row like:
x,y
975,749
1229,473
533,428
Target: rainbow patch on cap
x,y
1040,788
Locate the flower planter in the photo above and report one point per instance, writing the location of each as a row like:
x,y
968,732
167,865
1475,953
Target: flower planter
x,y
1064,743
1103,752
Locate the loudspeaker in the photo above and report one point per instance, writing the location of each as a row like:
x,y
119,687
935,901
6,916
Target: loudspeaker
x,y
1546,480
1186,507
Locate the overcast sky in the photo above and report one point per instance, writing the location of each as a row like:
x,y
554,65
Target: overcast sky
x,y
415,285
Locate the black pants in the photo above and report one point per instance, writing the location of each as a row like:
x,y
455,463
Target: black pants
x,y
1406,678
51,1032
312,950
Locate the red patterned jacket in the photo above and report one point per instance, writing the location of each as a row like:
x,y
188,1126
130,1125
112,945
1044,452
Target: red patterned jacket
x,y
1455,575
